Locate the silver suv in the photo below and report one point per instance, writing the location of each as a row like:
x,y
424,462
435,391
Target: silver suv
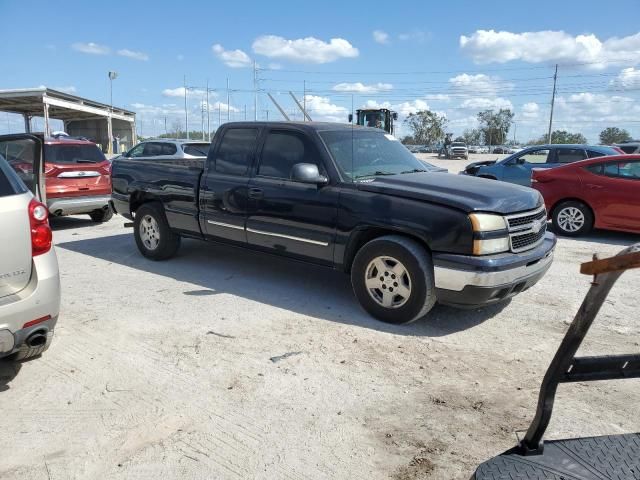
x,y
168,148
29,276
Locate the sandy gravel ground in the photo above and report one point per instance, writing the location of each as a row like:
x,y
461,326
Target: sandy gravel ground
x,y
223,364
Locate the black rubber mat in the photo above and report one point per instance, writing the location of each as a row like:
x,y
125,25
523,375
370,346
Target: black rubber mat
x,y
613,457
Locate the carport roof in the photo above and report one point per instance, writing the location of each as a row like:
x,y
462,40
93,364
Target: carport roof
x,y
62,106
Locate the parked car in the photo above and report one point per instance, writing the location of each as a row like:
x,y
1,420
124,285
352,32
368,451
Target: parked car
x,y
629,147
500,150
601,192
458,150
353,199
472,149
29,276
483,149
168,148
517,168
77,174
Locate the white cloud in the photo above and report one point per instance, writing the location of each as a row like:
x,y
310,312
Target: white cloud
x,y
380,37
403,109
479,84
179,92
180,57
530,110
231,58
219,105
359,87
439,97
304,50
484,103
91,48
415,35
629,78
321,108
488,46
274,66
133,54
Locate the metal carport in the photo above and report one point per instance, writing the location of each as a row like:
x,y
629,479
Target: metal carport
x,y
80,116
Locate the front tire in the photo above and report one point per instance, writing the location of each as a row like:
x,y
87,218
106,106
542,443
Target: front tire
x,y
392,278
572,218
154,237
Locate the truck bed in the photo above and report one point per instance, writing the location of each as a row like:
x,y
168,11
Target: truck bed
x,y
175,182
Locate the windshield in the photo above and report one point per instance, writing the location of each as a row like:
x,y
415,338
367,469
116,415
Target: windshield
x,y
366,154
78,153
458,144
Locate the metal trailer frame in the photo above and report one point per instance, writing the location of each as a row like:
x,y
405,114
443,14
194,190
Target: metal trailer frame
x,y
608,457
53,104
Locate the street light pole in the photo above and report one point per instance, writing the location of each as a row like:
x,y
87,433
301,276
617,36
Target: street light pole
x,y
112,76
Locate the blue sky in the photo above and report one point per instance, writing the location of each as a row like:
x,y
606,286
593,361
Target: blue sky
x,y
452,57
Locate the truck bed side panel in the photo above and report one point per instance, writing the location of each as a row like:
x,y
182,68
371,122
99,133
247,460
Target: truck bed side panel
x,y
175,183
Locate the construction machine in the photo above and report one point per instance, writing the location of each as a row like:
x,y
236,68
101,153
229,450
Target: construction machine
x,y
375,117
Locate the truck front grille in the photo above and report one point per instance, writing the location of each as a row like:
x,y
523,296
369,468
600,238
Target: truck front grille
x,y
527,230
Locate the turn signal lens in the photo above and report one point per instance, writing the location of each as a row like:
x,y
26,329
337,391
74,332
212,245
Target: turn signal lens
x,y
493,245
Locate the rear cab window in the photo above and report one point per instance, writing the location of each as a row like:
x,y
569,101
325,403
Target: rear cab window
x,y
236,150
73,153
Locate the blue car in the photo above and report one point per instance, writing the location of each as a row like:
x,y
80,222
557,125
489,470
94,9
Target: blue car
x,y
517,168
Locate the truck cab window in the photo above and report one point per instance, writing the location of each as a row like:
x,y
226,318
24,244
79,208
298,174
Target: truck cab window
x,y
569,155
281,151
236,151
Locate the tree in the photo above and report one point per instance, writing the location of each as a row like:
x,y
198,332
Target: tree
x,y
426,127
561,137
472,137
495,126
408,140
611,135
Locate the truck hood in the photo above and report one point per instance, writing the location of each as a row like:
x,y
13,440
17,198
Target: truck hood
x,y
469,194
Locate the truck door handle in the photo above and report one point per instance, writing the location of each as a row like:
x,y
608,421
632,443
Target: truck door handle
x,y
256,193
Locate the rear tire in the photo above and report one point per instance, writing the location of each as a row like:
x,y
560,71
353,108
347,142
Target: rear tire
x,y
101,216
154,237
392,278
572,218
26,352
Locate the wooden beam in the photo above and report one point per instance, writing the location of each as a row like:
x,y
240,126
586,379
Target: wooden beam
x,y
612,264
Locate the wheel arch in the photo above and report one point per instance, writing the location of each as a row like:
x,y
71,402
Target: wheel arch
x,y
552,210
365,234
138,198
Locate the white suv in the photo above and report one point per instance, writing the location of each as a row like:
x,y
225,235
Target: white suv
x,y
29,276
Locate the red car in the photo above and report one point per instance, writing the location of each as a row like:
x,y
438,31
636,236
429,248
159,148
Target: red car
x,y
601,192
77,174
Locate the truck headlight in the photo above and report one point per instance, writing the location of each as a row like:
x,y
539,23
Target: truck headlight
x,y
491,234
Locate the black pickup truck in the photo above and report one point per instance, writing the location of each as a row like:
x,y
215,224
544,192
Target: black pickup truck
x,y
351,198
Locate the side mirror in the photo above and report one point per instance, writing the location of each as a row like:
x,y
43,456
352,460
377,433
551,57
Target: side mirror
x,y
351,118
307,173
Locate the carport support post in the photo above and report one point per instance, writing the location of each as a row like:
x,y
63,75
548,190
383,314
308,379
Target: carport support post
x,y
134,137
47,132
27,122
109,134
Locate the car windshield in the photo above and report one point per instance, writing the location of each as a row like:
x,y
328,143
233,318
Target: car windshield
x,y
365,154
458,144
73,153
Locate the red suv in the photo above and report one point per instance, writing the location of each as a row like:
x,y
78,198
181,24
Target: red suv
x,y
77,174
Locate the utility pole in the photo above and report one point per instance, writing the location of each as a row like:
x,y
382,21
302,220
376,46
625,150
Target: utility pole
x,y
255,91
228,100
553,100
304,96
186,114
208,116
245,112
202,107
